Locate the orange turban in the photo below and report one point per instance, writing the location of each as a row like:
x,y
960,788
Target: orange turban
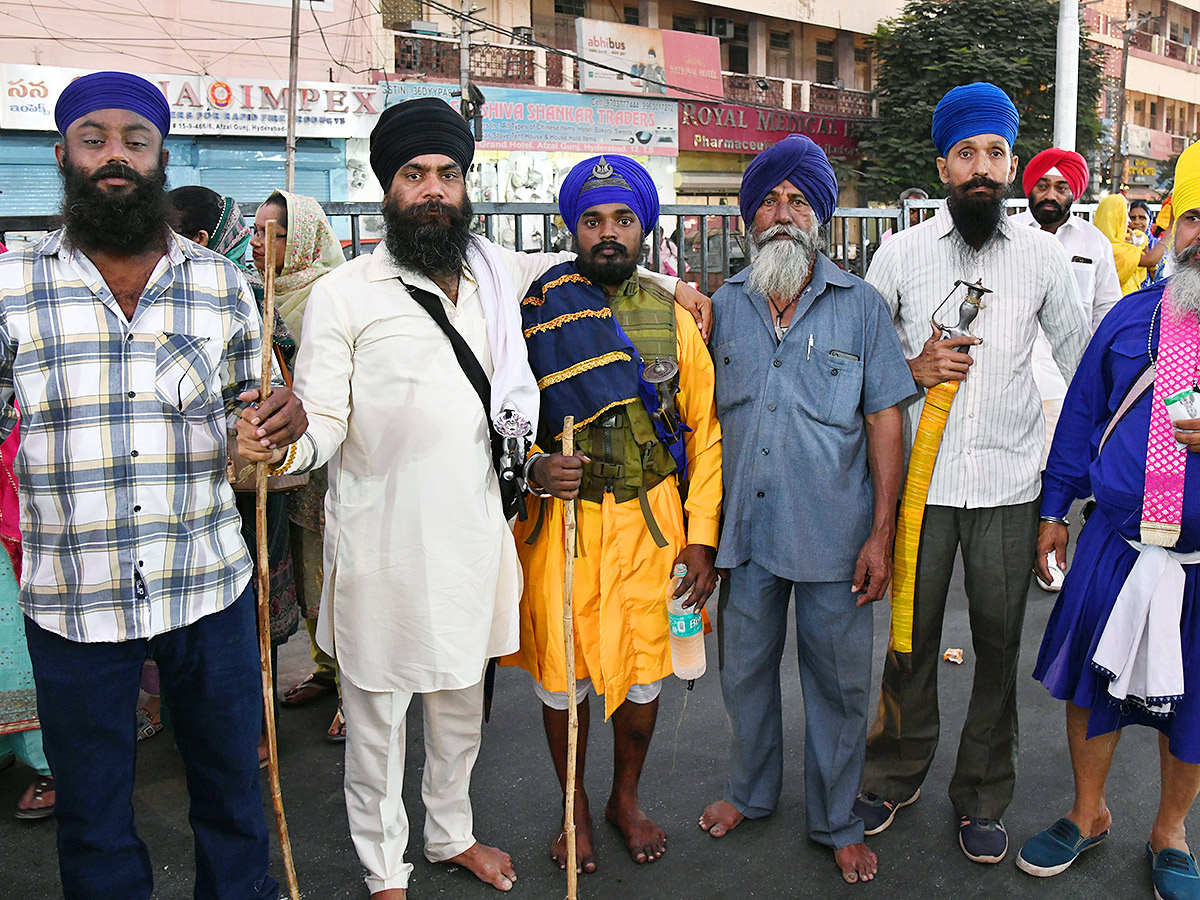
x,y
1071,166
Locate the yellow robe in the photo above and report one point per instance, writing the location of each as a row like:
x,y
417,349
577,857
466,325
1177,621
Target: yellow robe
x,y
1112,218
621,575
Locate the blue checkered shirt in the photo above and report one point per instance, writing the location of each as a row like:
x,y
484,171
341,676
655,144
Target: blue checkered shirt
x,y
128,524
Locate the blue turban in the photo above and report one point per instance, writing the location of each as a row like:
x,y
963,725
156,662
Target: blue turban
x,y
973,109
795,159
608,179
112,90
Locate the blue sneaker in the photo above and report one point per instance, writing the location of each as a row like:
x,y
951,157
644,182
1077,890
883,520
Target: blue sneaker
x,y
1175,874
1053,850
983,840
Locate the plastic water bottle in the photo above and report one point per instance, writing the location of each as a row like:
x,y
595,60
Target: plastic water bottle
x,y
687,631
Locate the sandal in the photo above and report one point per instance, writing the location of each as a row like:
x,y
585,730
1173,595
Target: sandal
x,y
38,793
307,690
146,726
337,728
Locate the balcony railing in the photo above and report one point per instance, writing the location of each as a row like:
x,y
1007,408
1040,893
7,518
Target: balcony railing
x,y
437,58
835,101
755,90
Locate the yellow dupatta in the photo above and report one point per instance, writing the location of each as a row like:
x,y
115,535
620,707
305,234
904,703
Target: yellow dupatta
x,y
1112,218
312,250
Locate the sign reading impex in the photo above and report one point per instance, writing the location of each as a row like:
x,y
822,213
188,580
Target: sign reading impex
x,y
723,128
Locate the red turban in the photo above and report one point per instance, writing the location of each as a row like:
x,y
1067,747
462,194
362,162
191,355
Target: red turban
x,y
1070,164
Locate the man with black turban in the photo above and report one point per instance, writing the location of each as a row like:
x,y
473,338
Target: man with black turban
x,y
974,485
610,348
125,346
809,373
412,357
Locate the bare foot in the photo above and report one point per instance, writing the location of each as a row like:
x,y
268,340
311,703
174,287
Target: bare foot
x,y
1090,824
857,862
490,865
390,894
646,841
585,856
720,818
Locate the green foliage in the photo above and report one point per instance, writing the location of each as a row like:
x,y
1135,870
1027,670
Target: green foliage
x,y
934,45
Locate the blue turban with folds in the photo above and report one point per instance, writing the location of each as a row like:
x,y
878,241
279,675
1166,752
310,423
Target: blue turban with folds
x,y
972,109
608,179
112,90
797,160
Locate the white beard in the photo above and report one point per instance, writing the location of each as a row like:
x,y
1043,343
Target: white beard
x,y
1185,279
781,268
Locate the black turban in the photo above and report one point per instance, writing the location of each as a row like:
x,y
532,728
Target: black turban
x,y
414,128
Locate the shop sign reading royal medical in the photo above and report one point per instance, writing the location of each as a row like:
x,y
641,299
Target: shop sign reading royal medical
x,y
207,105
724,128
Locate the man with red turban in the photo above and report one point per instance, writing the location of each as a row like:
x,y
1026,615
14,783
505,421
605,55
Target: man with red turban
x,y
1053,180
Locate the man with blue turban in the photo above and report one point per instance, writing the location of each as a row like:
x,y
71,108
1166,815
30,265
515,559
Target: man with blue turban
x,y
611,348
973,480
133,345
809,373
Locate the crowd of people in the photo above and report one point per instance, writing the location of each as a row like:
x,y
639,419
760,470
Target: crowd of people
x,y
805,437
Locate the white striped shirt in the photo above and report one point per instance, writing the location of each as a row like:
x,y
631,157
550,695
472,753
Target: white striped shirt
x,y
992,446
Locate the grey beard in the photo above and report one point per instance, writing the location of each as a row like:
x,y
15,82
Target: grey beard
x,y
1185,279
781,268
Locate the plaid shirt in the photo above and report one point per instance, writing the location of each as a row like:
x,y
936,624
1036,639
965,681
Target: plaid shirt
x,y
128,524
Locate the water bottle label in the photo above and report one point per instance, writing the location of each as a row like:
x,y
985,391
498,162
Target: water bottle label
x,y
685,625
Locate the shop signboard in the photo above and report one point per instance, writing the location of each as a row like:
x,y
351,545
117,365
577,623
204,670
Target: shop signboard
x,y
210,105
726,128
1140,171
624,59
516,119
1148,143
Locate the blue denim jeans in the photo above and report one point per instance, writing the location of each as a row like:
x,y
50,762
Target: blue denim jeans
x,y
87,699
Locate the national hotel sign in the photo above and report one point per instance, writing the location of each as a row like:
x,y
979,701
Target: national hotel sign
x,y
726,128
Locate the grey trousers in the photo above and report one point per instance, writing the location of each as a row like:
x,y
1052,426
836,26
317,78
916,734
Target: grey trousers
x,y
834,646
998,548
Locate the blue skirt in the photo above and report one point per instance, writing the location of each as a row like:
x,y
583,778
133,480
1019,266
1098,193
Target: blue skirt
x,y
1100,565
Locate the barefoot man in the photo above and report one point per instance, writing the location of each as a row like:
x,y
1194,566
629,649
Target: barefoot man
x,y
809,373
590,326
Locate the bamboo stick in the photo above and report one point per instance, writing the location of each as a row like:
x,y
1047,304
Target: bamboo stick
x,y
264,575
568,449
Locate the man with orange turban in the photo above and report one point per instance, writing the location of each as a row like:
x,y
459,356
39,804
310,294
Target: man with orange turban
x,y
1053,180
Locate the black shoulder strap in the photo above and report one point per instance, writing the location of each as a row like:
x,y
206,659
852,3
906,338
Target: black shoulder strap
x,y
509,492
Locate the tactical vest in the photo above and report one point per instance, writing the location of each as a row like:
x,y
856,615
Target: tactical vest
x,y
627,457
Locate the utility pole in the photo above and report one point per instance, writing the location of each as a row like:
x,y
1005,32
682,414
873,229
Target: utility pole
x,y
293,61
464,60
1066,79
1118,158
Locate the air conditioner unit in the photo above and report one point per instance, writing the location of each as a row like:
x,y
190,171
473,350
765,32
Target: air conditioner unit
x,y
720,28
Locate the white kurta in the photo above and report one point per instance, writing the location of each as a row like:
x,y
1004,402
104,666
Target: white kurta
x,y
422,582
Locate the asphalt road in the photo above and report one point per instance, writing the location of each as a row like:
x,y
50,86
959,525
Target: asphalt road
x,y
516,804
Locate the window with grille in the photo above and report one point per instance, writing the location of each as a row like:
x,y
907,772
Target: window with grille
x,y
572,8
781,40
741,33
827,72
398,13
862,55
633,15
739,59
684,23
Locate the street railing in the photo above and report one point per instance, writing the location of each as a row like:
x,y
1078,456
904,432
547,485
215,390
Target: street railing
x,y
710,238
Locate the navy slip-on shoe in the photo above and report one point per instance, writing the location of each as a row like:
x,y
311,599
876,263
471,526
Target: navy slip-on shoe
x,y
1053,850
1174,873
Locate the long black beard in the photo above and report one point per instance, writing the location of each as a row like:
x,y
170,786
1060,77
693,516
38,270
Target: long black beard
x,y
976,218
126,223
431,237
607,272
1050,212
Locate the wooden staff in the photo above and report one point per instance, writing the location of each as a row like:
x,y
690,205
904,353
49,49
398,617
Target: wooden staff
x,y
568,449
264,574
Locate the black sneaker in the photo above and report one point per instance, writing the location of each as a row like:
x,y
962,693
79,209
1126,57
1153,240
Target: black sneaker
x,y
983,840
878,813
